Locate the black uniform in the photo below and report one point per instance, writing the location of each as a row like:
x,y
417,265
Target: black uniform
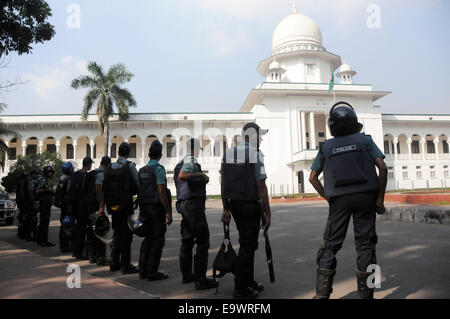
x,y
153,214
44,208
119,187
85,244
31,208
62,201
21,198
191,196
351,184
241,167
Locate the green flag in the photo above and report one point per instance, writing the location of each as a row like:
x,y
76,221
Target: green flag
x,y
331,87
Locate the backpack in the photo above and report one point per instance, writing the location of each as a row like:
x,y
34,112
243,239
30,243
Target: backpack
x,y
61,194
118,185
226,259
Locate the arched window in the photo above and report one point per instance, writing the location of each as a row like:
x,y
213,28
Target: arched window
x,y
69,151
88,150
51,148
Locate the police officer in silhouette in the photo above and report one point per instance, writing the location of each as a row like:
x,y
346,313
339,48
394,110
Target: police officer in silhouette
x,y
191,182
156,213
44,195
353,189
245,197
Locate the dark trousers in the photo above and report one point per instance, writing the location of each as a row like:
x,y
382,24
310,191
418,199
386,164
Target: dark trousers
x,y
194,230
247,216
64,238
21,229
30,222
84,242
44,221
362,207
122,236
154,218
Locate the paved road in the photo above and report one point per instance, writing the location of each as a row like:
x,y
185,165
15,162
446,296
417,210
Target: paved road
x,y
414,258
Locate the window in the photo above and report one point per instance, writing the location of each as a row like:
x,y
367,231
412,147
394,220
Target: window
x,y
321,134
386,147
398,148
445,147
419,174
133,152
432,171
430,147
88,150
391,175
31,150
12,153
69,151
171,149
415,149
446,175
51,148
113,150
405,175
307,146
95,151
311,69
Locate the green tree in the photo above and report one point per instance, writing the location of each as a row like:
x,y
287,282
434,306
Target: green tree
x,y
5,132
29,162
23,23
105,91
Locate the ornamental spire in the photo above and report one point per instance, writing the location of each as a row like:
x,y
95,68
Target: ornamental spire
x,y
294,7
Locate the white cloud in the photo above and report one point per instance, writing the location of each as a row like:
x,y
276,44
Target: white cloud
x,y
48,79
226,43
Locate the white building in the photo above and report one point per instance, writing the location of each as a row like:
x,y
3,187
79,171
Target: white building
x,y
293,103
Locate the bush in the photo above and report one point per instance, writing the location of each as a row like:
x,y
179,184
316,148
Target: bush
x,y
27,163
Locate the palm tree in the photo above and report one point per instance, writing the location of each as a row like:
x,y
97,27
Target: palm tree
x,y
105,91
4,149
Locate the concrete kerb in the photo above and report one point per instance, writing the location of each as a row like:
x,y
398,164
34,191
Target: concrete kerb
x,y
417,215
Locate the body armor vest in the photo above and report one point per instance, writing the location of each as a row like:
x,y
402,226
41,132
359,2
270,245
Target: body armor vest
x,y
348,166
193,188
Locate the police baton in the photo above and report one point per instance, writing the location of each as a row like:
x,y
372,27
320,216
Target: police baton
x,y
269,256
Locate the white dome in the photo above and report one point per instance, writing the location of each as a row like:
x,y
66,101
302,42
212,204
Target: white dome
x,y
296,29
345,68
274,65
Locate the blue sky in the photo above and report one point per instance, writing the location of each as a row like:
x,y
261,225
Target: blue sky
x,y
201,55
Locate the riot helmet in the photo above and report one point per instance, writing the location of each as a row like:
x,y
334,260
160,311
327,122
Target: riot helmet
x,y
67,168
102,228
343,120
47,170
136,225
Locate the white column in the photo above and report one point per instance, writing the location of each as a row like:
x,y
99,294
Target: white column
x,y
211,143
177,146
327,128
229,144
436,147
75,144
24,148
409,141
395,148
92,144
303,126
312,132
58,145
422,142
41,147
143,152
7,157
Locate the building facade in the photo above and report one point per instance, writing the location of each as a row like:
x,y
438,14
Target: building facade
x,y
293,103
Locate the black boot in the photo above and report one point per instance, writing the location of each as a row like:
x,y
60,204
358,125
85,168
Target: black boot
x,y
186,268
115,259
364,292
324,283
205,283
